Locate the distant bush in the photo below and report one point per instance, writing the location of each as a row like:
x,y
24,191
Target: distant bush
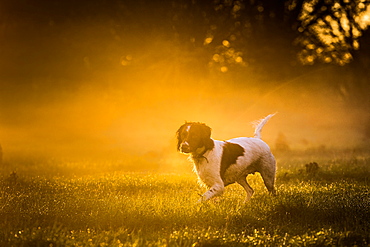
x,y
281,143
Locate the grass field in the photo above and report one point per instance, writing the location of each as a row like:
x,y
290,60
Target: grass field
x,y
327,207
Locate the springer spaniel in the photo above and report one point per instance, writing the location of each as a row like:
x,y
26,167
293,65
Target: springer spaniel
x,y
220,163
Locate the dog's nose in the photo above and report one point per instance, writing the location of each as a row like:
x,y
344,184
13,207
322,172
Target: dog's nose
x,y
185,148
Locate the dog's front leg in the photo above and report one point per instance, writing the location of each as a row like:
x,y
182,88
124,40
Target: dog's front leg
x,y
215,190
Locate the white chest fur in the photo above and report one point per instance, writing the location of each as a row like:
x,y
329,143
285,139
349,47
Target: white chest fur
x,y
208,167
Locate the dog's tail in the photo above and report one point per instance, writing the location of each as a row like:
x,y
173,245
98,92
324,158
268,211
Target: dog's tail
x,y
259,125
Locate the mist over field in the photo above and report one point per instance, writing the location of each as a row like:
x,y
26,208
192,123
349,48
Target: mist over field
x,y
98,82
140,117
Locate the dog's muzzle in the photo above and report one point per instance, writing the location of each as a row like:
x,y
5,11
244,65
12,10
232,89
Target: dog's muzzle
x,y
185,148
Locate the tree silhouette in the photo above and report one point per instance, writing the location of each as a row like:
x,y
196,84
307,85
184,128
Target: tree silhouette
x,y
324,30
251,36
272,39
331,29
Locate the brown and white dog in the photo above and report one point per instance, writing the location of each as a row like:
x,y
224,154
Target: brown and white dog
x,y
220,163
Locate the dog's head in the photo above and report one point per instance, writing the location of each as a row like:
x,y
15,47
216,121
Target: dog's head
x,y
192,137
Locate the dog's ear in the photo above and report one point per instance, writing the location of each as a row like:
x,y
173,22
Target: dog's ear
x,y
178,135
206,137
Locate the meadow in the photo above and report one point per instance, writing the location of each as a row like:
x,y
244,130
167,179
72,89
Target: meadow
x,y
40,205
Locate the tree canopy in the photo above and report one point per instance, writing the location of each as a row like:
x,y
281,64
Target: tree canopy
x,y
262,35
242,31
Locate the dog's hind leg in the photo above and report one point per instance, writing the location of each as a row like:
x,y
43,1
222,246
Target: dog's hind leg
x,y
268,176
243,182
267,169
